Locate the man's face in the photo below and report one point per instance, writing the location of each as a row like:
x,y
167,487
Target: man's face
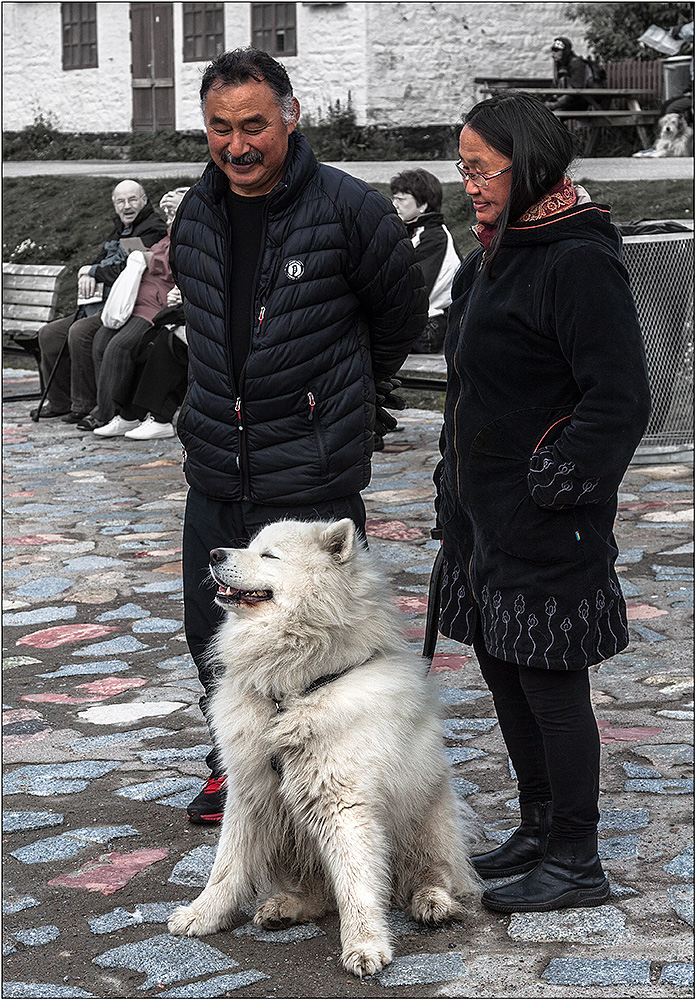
x,y
247,137
129,199
407,208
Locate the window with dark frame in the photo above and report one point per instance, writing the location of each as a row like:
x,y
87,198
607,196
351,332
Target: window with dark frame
x,y
204,31
79,25
273,28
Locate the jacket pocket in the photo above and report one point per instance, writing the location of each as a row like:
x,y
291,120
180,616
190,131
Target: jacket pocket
x,y
318,432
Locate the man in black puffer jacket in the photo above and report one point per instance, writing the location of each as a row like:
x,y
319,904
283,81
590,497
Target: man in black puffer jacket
x,y
302,295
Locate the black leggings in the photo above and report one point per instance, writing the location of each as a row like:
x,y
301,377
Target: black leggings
x,y
551,734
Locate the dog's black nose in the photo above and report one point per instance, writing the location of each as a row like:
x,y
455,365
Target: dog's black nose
x,y
217,556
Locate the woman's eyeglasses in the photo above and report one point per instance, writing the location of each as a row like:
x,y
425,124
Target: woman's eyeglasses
x,y
480,180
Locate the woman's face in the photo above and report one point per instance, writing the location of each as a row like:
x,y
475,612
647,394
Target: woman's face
x,y
480,158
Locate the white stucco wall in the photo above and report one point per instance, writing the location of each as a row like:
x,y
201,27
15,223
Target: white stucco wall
x,y
402,63
78,100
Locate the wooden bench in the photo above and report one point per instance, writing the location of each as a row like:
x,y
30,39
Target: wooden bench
x,y
29,299
595,119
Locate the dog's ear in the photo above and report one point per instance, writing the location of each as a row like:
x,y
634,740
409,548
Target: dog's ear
x,y
339,539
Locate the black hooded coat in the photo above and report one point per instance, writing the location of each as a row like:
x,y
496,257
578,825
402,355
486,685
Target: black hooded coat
x,y
547,399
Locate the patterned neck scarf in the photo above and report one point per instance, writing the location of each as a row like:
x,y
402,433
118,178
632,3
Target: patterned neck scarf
x,y
561,197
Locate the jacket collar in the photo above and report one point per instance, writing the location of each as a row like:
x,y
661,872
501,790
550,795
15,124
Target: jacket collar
x,y
561,197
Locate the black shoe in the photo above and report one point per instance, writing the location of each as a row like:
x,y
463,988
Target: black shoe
x,y
47,411
523,850
73,418
207,806
570,875
88,423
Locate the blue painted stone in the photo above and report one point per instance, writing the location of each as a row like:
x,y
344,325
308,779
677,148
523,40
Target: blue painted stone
x,y
666,487
124,644
673,572
10,906
150,526
170,754
56,779
647,634
400,924
287,935
477,725
87,744
681,899
39,616
37,991
87,564
683,865
680,974
37,935
166,959
148,791
143,913
177,662
158,625
620,848
456,696
630,589
663,786
460,755
103,834
125,611
194,867
630,556
94,667
638,771
218,986
45,586
623,819
597,972
463,788
417,970
160,587
180,800
8,949
50,849
14,821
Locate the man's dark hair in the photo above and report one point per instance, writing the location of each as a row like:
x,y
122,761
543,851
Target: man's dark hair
x,y
424,186
525,131
236,67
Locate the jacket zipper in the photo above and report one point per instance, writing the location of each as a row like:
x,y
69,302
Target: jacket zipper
x,y
323,458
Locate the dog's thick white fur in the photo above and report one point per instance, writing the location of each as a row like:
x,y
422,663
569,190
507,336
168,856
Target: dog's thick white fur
x,y
360,810
674,137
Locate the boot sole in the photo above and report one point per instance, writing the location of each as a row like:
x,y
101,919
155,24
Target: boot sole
x,y
573,898
489,873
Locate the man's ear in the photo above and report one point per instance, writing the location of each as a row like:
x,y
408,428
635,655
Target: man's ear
x,y
339,539
292,124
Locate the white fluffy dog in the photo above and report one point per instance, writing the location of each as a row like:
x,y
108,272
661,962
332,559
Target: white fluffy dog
x,y
674,137
339,787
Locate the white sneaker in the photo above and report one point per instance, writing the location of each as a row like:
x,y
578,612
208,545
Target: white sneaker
x,y
150,429
116,427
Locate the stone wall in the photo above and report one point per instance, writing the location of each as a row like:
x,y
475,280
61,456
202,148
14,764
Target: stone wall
x,y
402,64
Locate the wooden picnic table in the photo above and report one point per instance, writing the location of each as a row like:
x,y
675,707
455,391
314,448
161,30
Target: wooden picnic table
x,y
597,114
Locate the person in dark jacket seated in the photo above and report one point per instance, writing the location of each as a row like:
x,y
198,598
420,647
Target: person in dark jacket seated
x,y
547,399
73,390
302,298
417,198
570,71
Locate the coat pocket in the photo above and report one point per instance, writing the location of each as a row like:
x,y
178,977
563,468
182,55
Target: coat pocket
x,y
318,433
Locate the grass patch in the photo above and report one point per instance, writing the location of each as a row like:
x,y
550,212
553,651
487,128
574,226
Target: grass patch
x,y
64,220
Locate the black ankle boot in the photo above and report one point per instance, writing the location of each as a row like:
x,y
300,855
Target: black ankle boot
x,y
570,875
523,850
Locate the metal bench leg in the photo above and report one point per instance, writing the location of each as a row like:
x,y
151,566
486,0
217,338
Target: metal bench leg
x,y
49,380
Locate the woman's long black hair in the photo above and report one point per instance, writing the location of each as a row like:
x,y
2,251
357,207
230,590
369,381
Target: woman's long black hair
x,y
525,131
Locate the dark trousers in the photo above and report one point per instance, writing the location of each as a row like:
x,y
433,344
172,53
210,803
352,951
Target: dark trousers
x,y
157,384
73,385
211,524
112,358
551,734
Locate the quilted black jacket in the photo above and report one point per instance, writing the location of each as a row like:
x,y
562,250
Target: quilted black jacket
x,y
338,301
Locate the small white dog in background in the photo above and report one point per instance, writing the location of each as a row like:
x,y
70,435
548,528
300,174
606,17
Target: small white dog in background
x,y
339,787
674,137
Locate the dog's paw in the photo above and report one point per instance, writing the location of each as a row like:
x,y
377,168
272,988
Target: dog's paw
x,y
279,911
433,905
364,958
190,922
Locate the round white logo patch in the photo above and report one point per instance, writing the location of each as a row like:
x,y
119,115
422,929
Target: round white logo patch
x,y
294,269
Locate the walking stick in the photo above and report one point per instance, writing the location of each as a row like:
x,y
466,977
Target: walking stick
x,y
433,615
49,380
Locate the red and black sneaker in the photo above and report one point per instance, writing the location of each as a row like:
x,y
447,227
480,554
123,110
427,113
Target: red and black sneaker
x,y
208,804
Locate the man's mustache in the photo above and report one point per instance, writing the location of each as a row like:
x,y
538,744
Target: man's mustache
x,y
245,160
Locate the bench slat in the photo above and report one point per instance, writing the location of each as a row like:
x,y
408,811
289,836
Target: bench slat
x,y
55,270
27,312
19,296
617,117
21,326
30,281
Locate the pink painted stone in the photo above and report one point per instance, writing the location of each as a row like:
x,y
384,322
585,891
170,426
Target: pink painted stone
x,y
52,698
108,686
35,539
608,734
449,661
414,633
111,872
172,567
23,493
393,530
20,715
638,612
642,505
411,603
60,635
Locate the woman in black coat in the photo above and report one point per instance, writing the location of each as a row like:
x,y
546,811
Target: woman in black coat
x,y
547,399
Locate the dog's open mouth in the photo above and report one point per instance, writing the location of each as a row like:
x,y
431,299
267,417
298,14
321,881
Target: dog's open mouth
x,y
233,597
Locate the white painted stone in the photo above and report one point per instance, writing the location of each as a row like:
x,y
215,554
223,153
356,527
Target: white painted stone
x,y
118,715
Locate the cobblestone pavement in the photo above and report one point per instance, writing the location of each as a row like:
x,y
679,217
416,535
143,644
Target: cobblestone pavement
x,y
103,746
